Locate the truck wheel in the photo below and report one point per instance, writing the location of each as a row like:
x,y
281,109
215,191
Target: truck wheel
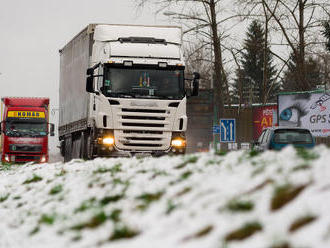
x,y
89,146
76,147
62,148
82,145
68,149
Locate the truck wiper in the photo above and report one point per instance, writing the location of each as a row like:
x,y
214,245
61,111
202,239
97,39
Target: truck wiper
x,y
164,96
122,94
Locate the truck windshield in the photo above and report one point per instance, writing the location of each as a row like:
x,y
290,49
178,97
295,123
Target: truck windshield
x,y
26,128
143,83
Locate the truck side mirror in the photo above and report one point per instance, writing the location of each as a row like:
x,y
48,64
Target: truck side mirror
x,y
90,84
195,84
90,71
52,129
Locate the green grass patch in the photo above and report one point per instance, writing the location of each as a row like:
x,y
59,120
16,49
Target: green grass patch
x,y
115,215
170,207
5,166
123,232
184,191
97,220
301,167
306,154
35,178
108,199
113,170
253,153
4,198
301,222
221,153
284,194
281,245
85,205
56,189
47,219
240,206
244,232
18,197
201,233
185,175
61,173
34,230
149,198
192,160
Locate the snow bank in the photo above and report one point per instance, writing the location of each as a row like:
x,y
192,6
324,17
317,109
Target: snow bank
x,y
203,200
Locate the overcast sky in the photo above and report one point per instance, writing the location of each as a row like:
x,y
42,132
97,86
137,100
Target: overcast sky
x,y
32,32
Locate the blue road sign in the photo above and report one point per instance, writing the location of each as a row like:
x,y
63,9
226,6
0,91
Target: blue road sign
x,y
227,130
216,129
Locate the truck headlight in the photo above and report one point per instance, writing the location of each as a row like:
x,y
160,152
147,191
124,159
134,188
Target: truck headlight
x,y
7,159
108,141
178,142
43,159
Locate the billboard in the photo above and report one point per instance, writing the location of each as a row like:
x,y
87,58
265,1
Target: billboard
x,y
307,110
263,116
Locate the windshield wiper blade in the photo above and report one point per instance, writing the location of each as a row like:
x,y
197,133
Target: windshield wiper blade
x,y
122,94
164,96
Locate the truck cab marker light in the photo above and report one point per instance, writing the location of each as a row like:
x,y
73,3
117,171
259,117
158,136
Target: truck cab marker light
x,y
162,64
128,63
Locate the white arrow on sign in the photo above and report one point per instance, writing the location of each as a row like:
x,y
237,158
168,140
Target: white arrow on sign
x,y
224,127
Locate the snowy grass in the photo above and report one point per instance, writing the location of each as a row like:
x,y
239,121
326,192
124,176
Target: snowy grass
x,y
241,199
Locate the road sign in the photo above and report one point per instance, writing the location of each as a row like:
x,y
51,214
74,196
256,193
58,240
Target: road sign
x,y
216,129
227,130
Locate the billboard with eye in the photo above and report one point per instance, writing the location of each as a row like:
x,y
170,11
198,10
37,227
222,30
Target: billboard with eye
x,y
309,110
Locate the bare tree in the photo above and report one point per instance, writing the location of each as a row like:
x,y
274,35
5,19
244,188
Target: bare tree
x,y
201,17
198,59
296,23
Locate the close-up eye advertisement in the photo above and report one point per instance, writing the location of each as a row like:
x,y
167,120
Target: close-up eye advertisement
x,y
308,110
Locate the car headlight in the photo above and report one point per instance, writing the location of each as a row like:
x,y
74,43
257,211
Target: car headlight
x,y
108,141
178,142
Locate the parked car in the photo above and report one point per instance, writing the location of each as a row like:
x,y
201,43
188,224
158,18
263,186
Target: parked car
x,y
275,138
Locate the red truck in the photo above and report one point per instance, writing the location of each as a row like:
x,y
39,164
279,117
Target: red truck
x,y
24,129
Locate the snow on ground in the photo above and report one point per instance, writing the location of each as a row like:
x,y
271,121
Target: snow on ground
x,y
242,199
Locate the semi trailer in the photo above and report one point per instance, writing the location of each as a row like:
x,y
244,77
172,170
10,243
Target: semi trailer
x,y
25,128
122,91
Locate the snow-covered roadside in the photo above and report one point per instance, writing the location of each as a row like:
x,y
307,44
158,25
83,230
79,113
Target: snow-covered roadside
x,y
204,200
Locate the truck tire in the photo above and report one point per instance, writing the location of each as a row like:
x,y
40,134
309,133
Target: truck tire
x,y
89,146
76,145
68,148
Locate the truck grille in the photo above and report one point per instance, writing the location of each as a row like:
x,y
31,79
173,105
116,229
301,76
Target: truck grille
x,y
27,158
25,148
143,129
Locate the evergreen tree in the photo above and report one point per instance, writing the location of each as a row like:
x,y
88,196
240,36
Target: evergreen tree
x,y
250,78
326,33
290,81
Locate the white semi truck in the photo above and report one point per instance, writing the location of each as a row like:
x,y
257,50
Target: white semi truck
x,y
122,92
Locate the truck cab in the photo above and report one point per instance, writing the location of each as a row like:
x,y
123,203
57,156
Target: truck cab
x,y
122,92
24,129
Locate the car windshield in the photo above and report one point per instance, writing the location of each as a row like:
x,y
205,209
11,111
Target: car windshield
x,y
26,128
292,136
143,83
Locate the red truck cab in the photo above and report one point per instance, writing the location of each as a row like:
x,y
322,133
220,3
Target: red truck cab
x,y
24,129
